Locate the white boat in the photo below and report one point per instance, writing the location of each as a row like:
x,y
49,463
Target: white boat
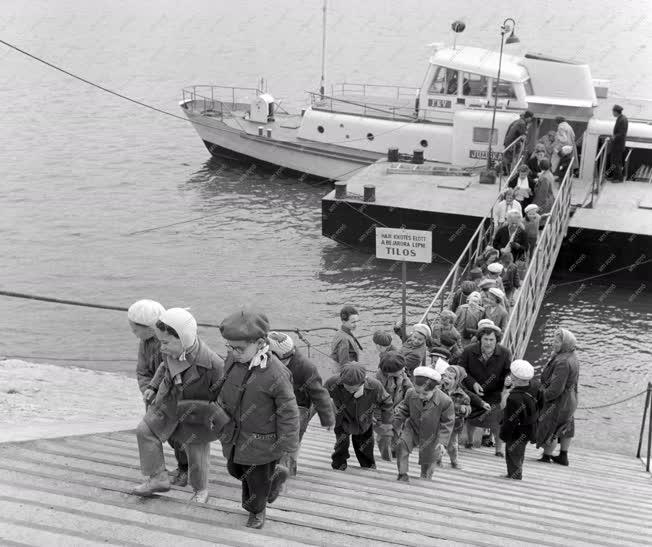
x,y
449,117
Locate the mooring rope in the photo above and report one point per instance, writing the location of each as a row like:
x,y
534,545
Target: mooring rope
x,y
614,403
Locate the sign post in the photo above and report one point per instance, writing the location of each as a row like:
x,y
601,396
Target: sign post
x,y
406,246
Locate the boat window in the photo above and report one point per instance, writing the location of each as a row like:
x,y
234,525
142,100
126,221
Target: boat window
x,y
528,87
481,135
444,82
474,85
505,90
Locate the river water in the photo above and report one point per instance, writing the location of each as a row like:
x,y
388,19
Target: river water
x,y
82,170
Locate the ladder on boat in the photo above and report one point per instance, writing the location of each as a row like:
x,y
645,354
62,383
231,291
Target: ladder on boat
x,y
643,174
523,314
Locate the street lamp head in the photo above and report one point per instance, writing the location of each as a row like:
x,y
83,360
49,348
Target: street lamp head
x,y
512,38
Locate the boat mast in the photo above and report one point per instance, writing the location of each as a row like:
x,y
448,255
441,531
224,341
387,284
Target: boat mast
x,y
323,51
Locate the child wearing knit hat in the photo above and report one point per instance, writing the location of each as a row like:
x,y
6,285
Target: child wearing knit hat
x,y
424,420
452,386
391,374
356,397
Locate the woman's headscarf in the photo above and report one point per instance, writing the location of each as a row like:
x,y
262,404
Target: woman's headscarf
x,y
568,341
459,374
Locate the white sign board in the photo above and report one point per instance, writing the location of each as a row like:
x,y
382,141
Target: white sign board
x,y
400,244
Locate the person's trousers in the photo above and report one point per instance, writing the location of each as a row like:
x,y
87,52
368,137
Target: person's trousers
x,y
290,459
179,452
256,483
452,447
514,456
617,153
403,462
152,461
363,445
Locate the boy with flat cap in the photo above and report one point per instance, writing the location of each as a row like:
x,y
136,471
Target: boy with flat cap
x,y
355,398
258,396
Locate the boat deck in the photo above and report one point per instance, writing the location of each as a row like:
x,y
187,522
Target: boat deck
x,y
459,195
74,491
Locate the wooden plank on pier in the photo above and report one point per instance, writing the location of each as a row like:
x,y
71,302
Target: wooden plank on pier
x,y
75,490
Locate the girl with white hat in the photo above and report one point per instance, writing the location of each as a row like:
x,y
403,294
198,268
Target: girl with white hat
x,y
424,420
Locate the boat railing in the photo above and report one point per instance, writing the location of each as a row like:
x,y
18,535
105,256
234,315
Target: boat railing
x,y
218,98
627,158
519,155
374,90
542,261
363,107
474,248
598,172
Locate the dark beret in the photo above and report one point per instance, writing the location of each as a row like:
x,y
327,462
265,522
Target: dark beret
x,y
245,325
353,374
392,361
382,338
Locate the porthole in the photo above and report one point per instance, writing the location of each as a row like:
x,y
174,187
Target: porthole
x,y
424,143
346,136
320,128
370,136
341,125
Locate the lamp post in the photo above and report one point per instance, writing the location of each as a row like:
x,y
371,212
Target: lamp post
x,y
511,39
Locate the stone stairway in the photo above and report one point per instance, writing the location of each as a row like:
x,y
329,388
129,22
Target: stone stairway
x,y
74,491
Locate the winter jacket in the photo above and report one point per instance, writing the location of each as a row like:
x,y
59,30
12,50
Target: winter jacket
x,y
498,314
425,424
490,375
199,382
466,321
149,359
396,388
345,347
308,388
415,356
559,386
520,414
620,131
353,415
543,196
511,279
518,242
264,412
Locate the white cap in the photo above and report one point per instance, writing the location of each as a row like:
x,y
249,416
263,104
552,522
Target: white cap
x,y
495,267
522,370
183,322
280,344
441,366
427,372
488,324
497,292
422,328
532,207
145,312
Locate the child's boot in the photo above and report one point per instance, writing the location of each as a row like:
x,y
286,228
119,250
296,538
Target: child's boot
x,y
403,477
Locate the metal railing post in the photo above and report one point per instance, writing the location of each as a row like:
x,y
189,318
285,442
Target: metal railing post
x,y
645,409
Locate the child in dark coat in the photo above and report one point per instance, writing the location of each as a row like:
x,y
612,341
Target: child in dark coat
x,y
519,418
452,386
391,374
356,397
424,419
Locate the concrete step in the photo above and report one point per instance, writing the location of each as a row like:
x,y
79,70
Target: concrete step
x,y
76,490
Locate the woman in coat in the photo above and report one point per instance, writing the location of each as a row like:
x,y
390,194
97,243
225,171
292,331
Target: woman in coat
x,y
467,317
558,398
543,195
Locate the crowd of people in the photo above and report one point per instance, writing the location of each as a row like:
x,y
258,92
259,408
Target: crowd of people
x,y
259,399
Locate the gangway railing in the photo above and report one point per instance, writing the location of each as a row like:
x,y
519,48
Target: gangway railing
x,y
533,286
598,172
474,248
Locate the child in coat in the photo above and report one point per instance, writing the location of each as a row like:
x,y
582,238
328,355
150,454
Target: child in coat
x,y
519,417
446,335
356,397
391,374
452,386
423,420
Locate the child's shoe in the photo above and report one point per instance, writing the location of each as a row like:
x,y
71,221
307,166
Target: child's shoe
x,y
456,465
403,477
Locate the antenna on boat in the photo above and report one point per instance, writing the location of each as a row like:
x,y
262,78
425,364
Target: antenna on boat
x,y
458,27
323,51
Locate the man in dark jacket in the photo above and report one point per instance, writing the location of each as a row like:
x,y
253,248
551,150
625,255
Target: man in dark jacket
x,y
356,397
487,365
516,129
345,347
618,143
308,389
264,426
511,237
519,418
191,371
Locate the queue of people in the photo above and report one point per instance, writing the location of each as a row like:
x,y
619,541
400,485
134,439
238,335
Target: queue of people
x,y
446,377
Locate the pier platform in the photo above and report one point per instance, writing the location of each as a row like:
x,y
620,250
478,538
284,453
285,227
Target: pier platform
x,y
615,233
75,491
